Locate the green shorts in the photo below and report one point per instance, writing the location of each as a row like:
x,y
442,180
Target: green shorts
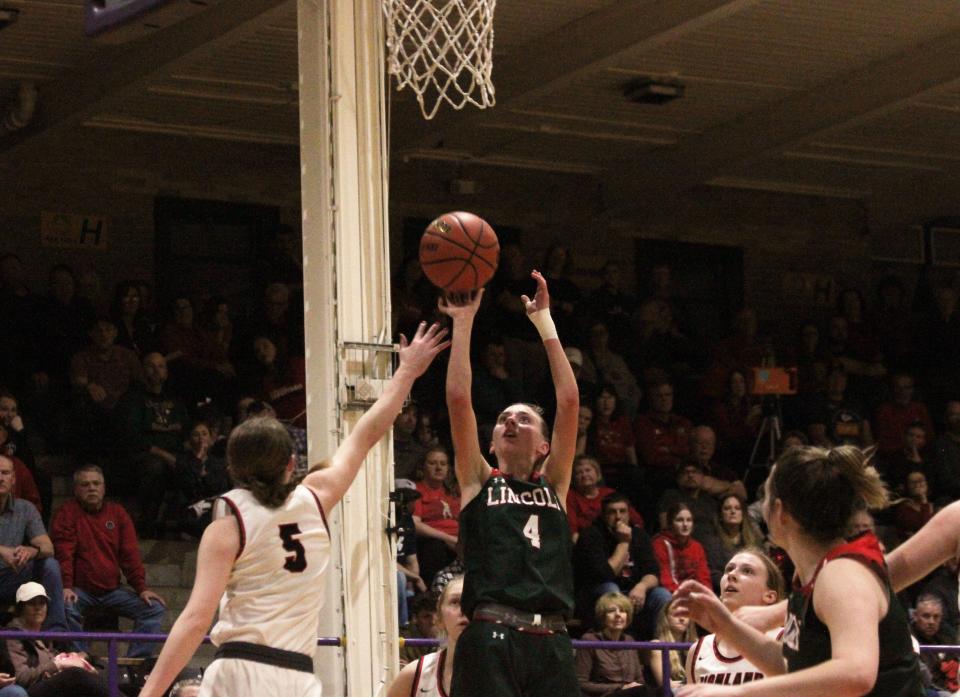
x,y
494,660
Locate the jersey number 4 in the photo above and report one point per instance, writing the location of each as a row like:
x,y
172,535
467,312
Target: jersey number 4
x,y
297,562
532,530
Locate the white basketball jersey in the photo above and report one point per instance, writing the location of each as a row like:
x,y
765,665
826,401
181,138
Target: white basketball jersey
x,y
274,594
428,681
710,666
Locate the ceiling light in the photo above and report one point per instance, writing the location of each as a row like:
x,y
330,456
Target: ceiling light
x,y
8,15
646,90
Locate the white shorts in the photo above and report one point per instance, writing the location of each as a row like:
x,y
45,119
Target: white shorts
x,y
234,677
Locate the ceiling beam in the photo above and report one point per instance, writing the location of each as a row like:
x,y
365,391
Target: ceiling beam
x,y
117,72
544,64
727,149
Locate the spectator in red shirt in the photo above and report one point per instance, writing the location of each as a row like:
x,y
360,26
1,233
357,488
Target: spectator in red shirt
x,y
663,438
586,494
94,542
912,513
612,440
436,513
680,556
100,375
280,380
894,416
103,372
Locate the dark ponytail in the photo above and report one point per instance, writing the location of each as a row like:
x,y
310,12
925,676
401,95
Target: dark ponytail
x,y
822,488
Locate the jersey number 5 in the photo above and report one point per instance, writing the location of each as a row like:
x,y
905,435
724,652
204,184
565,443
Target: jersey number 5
x,y
298,561
532,530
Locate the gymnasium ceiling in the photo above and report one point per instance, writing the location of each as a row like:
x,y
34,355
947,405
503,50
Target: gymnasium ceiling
x,y
845,99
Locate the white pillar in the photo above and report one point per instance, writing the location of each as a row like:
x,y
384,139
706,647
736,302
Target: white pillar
x,y
346,293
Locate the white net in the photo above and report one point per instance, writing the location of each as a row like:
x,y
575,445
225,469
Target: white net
x,y
442,50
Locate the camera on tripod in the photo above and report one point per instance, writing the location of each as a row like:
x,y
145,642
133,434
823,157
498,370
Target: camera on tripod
x,y
773,381
770,383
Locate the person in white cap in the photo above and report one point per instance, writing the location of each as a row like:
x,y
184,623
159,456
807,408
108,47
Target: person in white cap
x,y
36,666
184,688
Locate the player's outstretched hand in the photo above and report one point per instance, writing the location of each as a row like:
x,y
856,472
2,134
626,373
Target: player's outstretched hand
x,y
699,603
706,691
419,353
541,301
456,305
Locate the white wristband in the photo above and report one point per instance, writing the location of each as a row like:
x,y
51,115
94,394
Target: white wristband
x,y
544,323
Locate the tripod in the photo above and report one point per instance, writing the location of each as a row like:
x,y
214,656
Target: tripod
x,y
771,429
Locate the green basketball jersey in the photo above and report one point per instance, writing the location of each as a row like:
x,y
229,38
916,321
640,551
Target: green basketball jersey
x,y
516,547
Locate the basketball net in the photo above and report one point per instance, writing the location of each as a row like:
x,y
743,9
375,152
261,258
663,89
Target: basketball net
x,y
442,50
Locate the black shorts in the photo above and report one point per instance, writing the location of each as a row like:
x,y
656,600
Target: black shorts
x,y
494,660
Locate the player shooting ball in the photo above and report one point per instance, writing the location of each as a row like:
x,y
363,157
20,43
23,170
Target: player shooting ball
x,y
518,588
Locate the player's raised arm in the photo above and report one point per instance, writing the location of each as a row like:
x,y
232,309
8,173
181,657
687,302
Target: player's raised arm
x,y
332,482
472,469
559,463
218,549
932,545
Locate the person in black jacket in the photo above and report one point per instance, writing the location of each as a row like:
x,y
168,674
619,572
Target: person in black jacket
x,y
614,556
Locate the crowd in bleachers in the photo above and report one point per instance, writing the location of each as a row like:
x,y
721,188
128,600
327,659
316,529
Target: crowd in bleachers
x,y
673,438
122,392
147,394
675,423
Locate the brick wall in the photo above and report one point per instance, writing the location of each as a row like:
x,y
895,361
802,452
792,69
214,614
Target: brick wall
x,y
793,245
790,243
117,175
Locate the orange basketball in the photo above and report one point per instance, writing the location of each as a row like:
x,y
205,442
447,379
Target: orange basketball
x,y
459,252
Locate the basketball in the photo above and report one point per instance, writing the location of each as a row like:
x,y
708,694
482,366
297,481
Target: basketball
x,y
459,252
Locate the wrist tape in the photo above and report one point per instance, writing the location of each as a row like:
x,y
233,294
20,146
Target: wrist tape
x,y
544,323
